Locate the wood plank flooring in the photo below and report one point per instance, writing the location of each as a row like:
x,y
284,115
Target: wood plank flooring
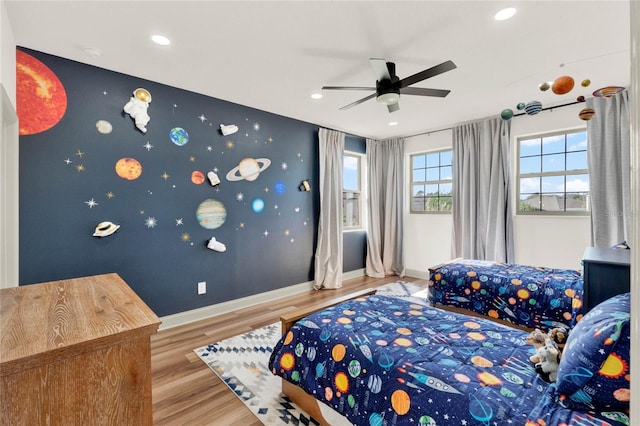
x,y
187,392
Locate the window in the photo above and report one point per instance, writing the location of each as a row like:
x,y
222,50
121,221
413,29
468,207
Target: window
x,y
353,191
553,175
431,182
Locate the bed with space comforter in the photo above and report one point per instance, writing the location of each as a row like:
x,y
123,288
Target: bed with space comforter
x,y
526,296
380,360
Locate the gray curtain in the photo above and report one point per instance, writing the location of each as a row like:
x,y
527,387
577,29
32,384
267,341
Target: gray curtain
x,y
609,166
385,178
328,258
482,212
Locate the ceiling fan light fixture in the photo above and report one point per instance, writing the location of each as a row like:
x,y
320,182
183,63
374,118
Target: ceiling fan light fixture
x,y
388,98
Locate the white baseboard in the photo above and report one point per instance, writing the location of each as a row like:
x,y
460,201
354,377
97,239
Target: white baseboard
x,y
424,275
186,317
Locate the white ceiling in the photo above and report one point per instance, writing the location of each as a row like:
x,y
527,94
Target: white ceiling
x,y
272,55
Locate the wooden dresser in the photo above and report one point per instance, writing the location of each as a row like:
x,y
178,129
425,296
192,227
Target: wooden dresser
x,y
75,352
607,272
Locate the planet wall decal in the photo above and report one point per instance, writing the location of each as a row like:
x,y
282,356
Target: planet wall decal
x,y
248,169
197,177
41,99
211,214
257,205
128,168
179,136
104,127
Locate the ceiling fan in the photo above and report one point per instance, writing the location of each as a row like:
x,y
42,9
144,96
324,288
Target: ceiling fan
x,y
389,87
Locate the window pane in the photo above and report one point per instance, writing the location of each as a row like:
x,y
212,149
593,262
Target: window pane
x,y
433,174
445,158
577,201
529,202
578,183
530,185
445,189
351,209
351,173
419,175
553,144
417,204
419,161
577,160
433,160
418,190
530,165
530,147
553,163
553,202
432,189
445,203
577,141
552,184
446,173
431,204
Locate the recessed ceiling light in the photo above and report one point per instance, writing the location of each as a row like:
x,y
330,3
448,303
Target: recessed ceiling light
x,y
393,123
160,39
316,95
505,14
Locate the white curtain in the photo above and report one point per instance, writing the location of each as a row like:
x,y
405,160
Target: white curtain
x,y
609,167
328,258
385,176
482,212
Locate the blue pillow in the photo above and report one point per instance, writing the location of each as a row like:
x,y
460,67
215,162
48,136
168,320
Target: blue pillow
x,y
594,368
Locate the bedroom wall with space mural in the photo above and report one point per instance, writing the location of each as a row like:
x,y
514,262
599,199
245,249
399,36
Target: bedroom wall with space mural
x,y
163,186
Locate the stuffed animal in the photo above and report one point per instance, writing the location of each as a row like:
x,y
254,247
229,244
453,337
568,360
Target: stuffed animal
x,y
536,339
559,336
549,360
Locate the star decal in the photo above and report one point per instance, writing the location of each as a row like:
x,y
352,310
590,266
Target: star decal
x,y
68,161
80,153
165,176
265,233
185,237
148,146
202,118
256,126
230,144
91,203
239,196
209,148
179,222
284,166
80,168
110,195
151,222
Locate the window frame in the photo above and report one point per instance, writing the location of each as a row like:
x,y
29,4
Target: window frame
x,y
430,182
564,173
361,191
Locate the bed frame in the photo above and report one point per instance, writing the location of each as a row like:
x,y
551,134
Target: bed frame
x,y
296,394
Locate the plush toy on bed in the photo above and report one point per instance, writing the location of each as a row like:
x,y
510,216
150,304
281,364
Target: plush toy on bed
x,y
559,336
549,355
536,339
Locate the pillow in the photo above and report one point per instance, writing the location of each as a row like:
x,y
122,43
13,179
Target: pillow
x,y
594,368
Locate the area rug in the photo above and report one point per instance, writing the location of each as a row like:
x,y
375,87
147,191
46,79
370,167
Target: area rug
x,y
241,362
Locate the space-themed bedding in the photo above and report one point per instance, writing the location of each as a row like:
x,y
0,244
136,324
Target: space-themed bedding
x,y
528,296
381,360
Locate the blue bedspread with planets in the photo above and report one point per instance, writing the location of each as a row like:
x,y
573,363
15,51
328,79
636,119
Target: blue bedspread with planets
x,y
528,296
381,360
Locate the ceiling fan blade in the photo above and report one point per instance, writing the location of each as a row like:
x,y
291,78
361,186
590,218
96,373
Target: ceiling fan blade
x,y
420,91
347,88
380,69
393,107
428,73
359,101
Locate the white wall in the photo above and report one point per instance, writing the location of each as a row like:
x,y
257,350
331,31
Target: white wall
x,y
8,155
553,241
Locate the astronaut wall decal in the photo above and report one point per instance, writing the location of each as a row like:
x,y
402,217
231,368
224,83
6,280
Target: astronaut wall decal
x,y
137,108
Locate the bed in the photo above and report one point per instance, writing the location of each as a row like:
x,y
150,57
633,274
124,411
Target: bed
x,y
525,296
380,360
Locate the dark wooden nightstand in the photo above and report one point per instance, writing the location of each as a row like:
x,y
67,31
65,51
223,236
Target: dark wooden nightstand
x,y
607,272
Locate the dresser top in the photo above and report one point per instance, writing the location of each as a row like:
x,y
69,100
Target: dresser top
x,y
607,255
58,318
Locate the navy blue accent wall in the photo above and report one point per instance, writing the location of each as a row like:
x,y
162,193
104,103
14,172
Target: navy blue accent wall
x,y
69,184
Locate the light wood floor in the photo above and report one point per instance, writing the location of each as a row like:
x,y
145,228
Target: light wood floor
x,y
187,392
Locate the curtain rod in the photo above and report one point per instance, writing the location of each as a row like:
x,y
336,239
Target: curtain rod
x,y
515,115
